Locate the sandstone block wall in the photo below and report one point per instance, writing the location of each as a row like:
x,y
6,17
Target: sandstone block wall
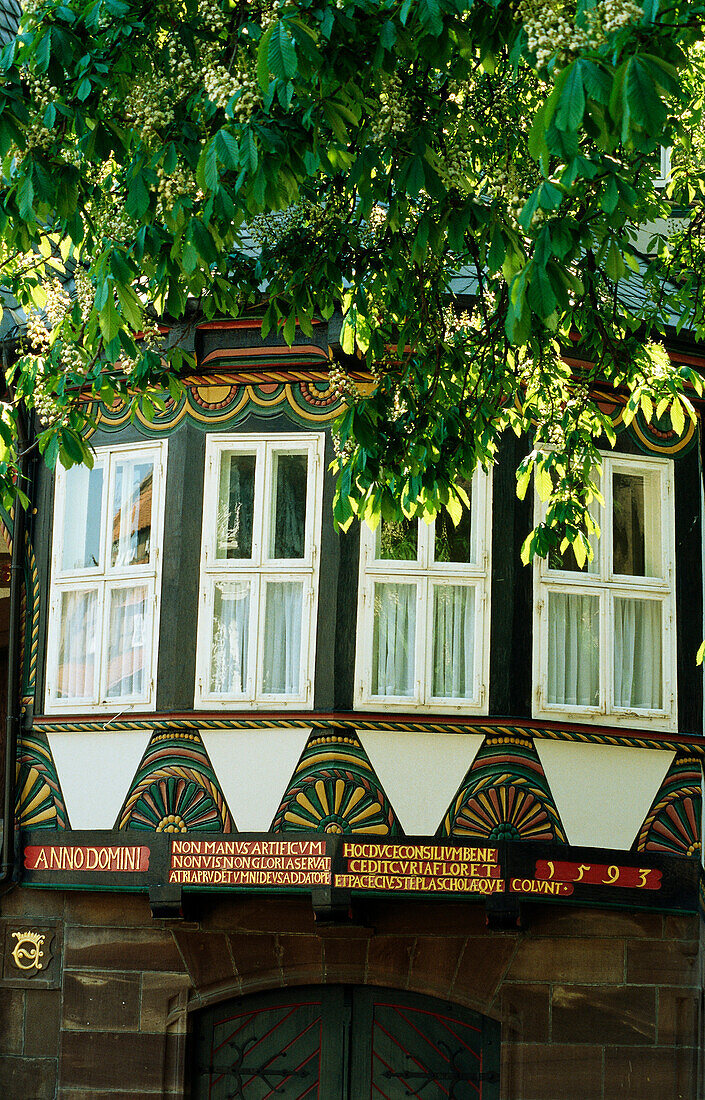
x,y
594,1004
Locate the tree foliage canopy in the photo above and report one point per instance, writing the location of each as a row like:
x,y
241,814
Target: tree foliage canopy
x,y
165,157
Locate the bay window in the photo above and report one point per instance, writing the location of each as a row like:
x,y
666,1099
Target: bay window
x,y
423,613
106,566
259,570
604,637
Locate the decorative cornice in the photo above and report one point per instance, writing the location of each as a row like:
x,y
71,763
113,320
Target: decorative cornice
x,y
500,730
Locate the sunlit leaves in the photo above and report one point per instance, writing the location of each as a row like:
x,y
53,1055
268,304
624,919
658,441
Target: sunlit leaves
x,y
464,220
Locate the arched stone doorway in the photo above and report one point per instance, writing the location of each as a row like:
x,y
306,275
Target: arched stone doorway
x,y
343,1043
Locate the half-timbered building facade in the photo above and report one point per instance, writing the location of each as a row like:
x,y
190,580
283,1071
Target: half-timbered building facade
x,y
301,813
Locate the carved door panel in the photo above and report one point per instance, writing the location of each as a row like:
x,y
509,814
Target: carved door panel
x,y
338,1043
410,1046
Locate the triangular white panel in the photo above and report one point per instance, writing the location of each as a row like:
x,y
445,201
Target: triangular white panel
x,y
602,793
254,768
95,772
420,772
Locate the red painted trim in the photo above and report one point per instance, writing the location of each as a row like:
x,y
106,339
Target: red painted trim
x,y
247,353
243,322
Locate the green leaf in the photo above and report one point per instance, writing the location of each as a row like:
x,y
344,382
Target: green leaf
x,y
227,149
571,105
610,196
430,15
388,35
137,197
541,295
542,480
615,267
248,151
25,198
596,80
537,139
131,308
289,329
281,54
263,59
109,320
645,104
677,417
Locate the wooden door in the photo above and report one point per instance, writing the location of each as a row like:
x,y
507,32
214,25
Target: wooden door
x,y
336,1043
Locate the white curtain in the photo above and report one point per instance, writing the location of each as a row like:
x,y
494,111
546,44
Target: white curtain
x,y
80,533
231,618
637,654
453,641
132,509
235,506
78,633
394,639
282,637
126,643
573,649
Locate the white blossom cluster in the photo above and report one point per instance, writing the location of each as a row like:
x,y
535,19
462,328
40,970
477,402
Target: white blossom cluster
x,y
41,89
341,383
374,227
37,334
85,293
453,170
551,31
342,453
221,86
148,107
393,115
503,184
270,12
58,302
270,229
150,340
171,187
37,136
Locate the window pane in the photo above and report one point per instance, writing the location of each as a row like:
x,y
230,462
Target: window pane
x,y
288,533
236,495
567,562
628,524
231,622
394,639
398,541
128,655
637,654
455,543
131,518
453,641
77,640
573,649
83,506
282,637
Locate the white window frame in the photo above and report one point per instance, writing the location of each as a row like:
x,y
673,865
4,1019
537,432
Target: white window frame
x,y
424,573
105,578
607,586
260,568
663,178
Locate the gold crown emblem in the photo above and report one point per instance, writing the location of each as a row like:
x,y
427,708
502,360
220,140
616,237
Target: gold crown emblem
x,y
30,937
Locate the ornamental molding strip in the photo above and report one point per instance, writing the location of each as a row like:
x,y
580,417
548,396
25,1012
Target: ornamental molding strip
x,y
360,721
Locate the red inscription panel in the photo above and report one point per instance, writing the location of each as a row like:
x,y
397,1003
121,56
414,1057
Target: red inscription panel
x,y
599,874
86,857
421,868
250,863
